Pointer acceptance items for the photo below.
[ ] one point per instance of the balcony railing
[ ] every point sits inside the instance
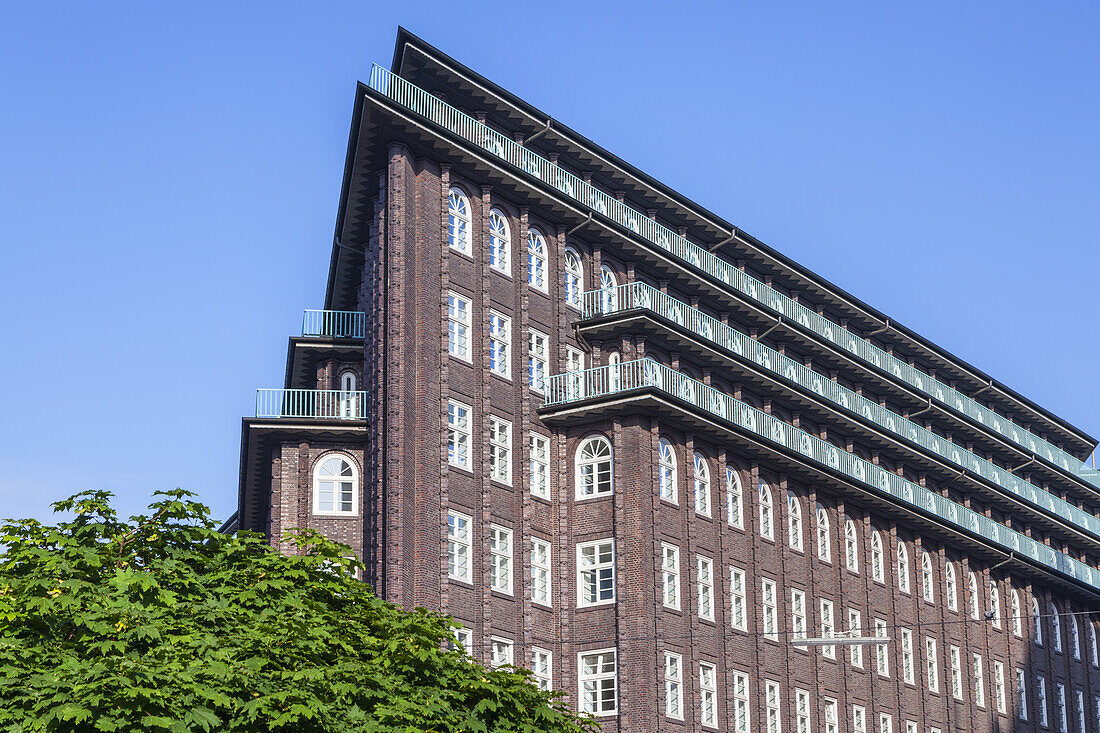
(701, 260)
(646, 374)
(334, 324)
(641, 296)
(330, 404)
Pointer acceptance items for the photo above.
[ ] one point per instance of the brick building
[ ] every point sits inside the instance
(628, 445)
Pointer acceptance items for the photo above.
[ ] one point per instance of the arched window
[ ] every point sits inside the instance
(536, 259)
(1094, 652)
(500, 242)
(878, 571)
(794, 521)
(1036, 621)
(903, 567)
(851, 546)
(348, 398)
(975, 600)
(458, 221)
(824, 546)
(1055, 627)
(574, 278)
(609, 296)
(927, 582)
(335, 486)
(1074, 636)
(735, 514)
(995, 604)
(767, 527)
(614, 371)
(594, 476)
(1016, 611)
(702, 484)
(952, 586)
(666, 471)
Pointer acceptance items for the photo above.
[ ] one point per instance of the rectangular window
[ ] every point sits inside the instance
(458, 326)
(737, 599)
(910, 726)
(798, 617)
(538, 355)
(1080, 711)
(859, 719)
(885, 723)
(463, 641)
(674, 686)
(769, 616)
(979, 681)
(500, 344)
(999, 697)
(704, 582)
(458, 546)
(670, 574)
(542, 667)
(831, 715)
(773, 718)
(882, 654)
(956, 673)
(828, 627)
(1021, 696)
(500, 558)
(596, 573)
(907, 674)
(933, 664)
(801, 711)
(740, 702)
(1063, 718)
(855, 628)
(540, 572)
(500, 652)
(708, 694)
(500, 450)
(539, 460)
(1041, 693)
(598, 682)
(458, 434)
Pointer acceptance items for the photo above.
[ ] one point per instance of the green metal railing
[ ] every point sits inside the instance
(646, 374)
(323, 403)
(707, 263)
(641, 296)
(334, 324)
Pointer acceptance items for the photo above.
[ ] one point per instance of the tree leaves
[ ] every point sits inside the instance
(160, 623)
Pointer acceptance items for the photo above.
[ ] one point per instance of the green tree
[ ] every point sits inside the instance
(160, 623)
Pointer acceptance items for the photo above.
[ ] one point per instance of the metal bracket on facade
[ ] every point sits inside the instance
(1010, 558)
(539, 134)
(983, 389)
(583, 223)
(727, 240)
(882, 329)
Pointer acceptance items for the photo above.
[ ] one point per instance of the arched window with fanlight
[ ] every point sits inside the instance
(824, 543)
(903, 567)
(609, 295)
(794, 522)
(951, 586)
(536, 259)
(1055, 627)
(995, 603)
(878, 569)
(701, 475)
(1074, 635)
(594, 468)
(927, 580)
(851, 546)
(574, 278)
(666, 470)
(335, 486)
(458, 221)
(1036, 622)
(734, 511)
(348, 396)
(614, 371)
(500, 242)
(1016, 611)
(767, 525)
(975, 599)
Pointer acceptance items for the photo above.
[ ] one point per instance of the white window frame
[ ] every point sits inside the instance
(995, 605)
(739, 715)
(878, 569)
(855, 628)
(932, 663)
(767, 512)
(500, 450)
(458, 221)
(674, 686)
(501, 544)
(951, 583)
(927, 578)
(536, 259)
(1080, 694)
(1060, 699)
(885, 723)
(538, 448)
(1041, 698)
(978, 675)
(974, 599)
(666, 471)
(538, 360)
(590, 484)
(882, 651)
(598, 679)
(801, 711)
(1016, 609)
(851, 546)
(458, 325)
(859, 719)
(798, 617)
(541, 573)
(500, 242)
(738, 601)
(830, 714)
(903, 567)
(701, 476)
(1074, 635)
(735, 509)
(828, 626)
(704, 587)
(773, 707)
(341, 485)
(1094, 650)
(542, 667)
(955, 660)
(708, 695)
(999, 698)
(670, 576)
(908, 672)
(599, 570)
(769, 609)
(459, 546)
(463, 637)
(1021, 695)
(501, 652)
(574, 278)
(458, 434)
(824, 542)
(1055, 627)
(794, 522)
(500, 344)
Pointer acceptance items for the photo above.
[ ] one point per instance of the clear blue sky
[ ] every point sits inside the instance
(169, 175)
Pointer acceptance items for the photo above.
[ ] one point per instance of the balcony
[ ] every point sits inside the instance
(326, 404)
(647, 376)
(334, 324)
(639, 296)
(714, 268)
